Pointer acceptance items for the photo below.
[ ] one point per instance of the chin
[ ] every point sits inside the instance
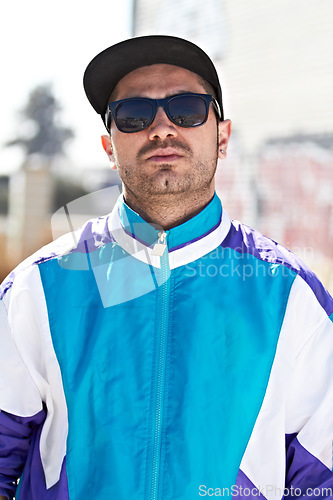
(166, 186)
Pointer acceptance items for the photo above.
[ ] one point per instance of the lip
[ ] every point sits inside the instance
(162, 155)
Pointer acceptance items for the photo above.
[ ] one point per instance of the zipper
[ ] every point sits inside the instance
(161, 245)
(163, 308)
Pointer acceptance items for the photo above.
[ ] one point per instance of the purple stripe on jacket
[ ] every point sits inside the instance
(19, 451)
(244, 488)
(305, 471)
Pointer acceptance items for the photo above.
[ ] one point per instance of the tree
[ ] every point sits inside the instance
(41, 111)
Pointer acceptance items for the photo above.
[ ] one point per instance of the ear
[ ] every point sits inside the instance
(224, 136)
(107, 146)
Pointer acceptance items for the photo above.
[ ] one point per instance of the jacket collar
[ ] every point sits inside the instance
(187, 242)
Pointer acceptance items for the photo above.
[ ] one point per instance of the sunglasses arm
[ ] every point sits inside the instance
(217, 108)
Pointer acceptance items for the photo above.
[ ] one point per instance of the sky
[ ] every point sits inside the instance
(53, 42)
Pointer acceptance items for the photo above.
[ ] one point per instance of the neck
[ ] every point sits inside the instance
(167, 211)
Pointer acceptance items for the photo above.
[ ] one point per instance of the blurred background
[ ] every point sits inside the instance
(275, 64)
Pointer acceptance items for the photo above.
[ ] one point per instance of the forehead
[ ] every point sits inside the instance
(157, 80)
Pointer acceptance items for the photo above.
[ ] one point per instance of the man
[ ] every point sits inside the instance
(170, 353)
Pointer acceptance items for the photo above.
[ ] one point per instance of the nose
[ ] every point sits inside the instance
(162, 127)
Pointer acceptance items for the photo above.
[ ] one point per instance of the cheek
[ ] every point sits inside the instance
(213, 139)
(125, 146)
(206, 142)
(119, 148)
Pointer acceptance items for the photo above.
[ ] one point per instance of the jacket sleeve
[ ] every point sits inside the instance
(21, 409)
(309, 414)
(289, 453)
(31, 390)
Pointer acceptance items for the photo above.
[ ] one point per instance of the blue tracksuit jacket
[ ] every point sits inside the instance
(165, 366)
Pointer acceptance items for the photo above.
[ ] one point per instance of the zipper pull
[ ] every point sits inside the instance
(161, 245)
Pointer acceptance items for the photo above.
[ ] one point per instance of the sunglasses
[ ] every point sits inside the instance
(137, 113)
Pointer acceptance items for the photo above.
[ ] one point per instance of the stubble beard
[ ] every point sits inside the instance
(166, 180)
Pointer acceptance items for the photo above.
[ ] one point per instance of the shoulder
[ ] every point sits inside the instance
(86, 239)
(244, 239)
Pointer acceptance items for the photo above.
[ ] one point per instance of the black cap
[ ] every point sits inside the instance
(107, 68)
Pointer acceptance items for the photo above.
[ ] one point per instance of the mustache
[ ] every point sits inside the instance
(173, 143)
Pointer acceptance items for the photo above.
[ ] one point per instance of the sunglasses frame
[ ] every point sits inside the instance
(156, 103)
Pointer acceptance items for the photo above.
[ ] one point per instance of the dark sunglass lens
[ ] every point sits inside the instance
(133, 116)
(188, 111)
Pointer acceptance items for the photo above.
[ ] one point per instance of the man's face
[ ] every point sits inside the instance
(165, 159)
